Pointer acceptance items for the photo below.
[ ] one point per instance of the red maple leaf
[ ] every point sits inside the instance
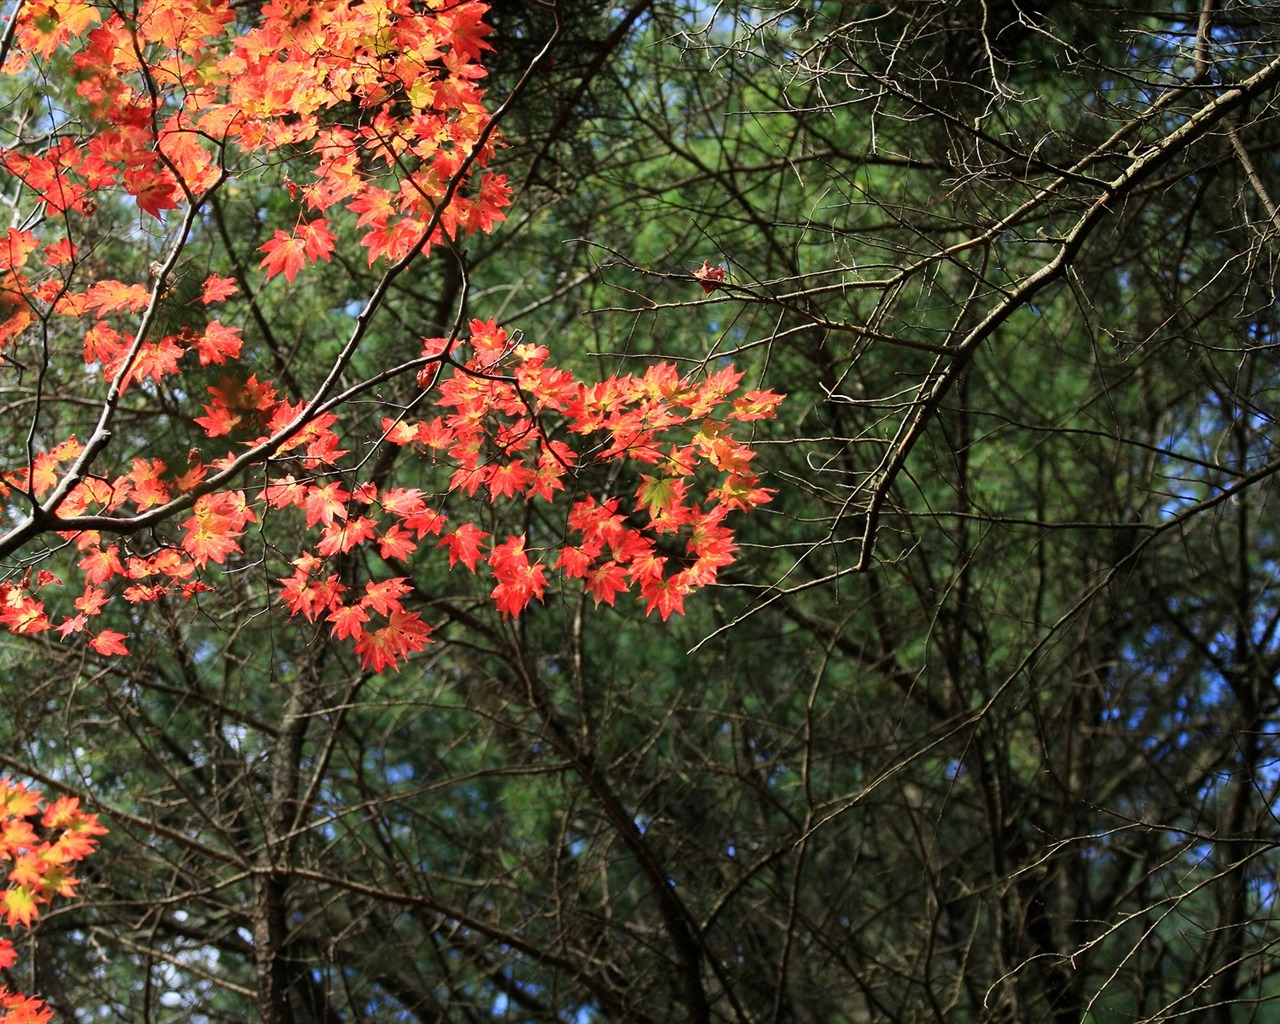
(384, 596)
(216, 523)
(519, 580)
(340, 537)
(217, 288)
(92, 600)
(709, 277)
(375, 205)
(326, 503)
(285, 254)
(310, 597)
(59, 253)
(217, 344)
(383, 648)
(396, 543)
(317, 240)
(112, 296)
(755, 405)
(154, 189)
(575, 560)
(606, 581)
(403, 501)
(108, 642)
(287, 492)
(464, 545)
(20, 1009)
(348, 622)
(508, 480)
(666, 595)
(100, 564)
(22, 613)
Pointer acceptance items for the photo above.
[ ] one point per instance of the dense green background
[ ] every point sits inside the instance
(982, 726)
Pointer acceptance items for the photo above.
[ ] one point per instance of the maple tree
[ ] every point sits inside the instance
(980, 724)
(374, 113)
(40, 843)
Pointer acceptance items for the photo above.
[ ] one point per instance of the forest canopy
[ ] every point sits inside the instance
(542, 511)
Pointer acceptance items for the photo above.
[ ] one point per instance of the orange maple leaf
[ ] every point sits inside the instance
(19, 905)
(16, 800)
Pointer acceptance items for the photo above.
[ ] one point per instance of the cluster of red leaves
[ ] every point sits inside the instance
(169, 92)
(40, 844)
(503, 414)
(176, 85)
(509, 427)
(498, 440)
